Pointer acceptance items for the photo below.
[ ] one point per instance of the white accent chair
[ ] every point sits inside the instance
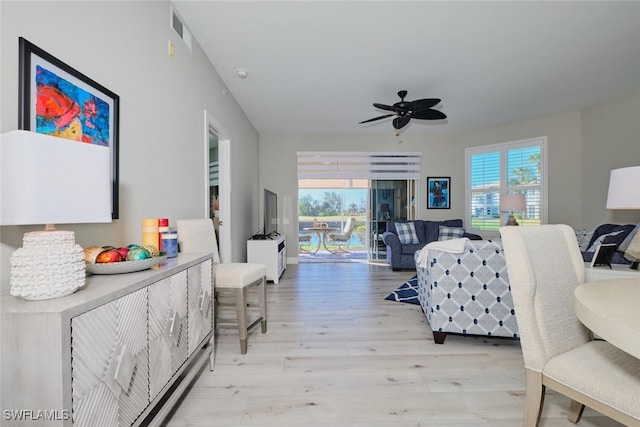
(198, 235)
(545, 266)
(342, 239)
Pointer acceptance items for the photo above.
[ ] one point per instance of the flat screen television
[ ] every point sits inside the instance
(270, 213)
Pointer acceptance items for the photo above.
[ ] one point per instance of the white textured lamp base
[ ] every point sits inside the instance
(49, 265)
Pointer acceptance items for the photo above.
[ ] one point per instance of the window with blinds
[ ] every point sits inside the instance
(514, 167)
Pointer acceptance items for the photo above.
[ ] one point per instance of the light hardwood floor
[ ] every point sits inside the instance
(337, 354)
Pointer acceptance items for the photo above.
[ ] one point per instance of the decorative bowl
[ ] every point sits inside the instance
(125, 266)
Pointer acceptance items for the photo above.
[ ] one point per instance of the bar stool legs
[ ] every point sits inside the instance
(199, 235)
(241, 304)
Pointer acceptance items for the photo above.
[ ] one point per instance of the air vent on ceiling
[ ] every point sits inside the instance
(178, 25)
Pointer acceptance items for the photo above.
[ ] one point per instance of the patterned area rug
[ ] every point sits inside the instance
(407, 292)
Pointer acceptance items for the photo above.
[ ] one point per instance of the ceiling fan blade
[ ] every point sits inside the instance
(423, 104)
(386, 107)
(400, 122)
(428, 115)
(377, 118)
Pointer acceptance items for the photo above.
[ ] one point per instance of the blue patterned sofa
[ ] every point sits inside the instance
(467, 293)
(400, 255)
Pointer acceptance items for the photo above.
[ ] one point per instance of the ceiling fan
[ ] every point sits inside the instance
(407, 110)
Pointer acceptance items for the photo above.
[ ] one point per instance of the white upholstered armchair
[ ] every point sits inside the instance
(545, 266)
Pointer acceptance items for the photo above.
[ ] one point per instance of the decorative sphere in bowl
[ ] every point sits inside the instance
(137, 254)
(108, 256)
(91, 252)
(153, 251)
(123, 251)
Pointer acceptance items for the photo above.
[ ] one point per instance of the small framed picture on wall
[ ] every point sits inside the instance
(438, 192)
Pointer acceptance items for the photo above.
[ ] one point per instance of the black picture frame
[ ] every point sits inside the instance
(603, 254)
(61, 109)
(438, 192)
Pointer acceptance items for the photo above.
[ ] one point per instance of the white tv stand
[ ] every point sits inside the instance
(270, 252)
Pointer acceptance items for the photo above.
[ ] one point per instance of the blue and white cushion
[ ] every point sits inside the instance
(448, 233)
(584, 237)
(406, 232)
(600, 240)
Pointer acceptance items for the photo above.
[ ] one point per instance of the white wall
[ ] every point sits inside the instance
(278, 166)
(583, 147)
(611, 139)
(123, 46)
(563, 150)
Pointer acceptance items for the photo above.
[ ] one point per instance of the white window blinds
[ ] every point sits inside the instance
(364, 165)
(514, 167)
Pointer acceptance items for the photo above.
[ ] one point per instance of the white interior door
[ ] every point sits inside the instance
(217, 166)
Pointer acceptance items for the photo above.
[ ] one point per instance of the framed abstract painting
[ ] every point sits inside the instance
(438, 192)
(58, 100)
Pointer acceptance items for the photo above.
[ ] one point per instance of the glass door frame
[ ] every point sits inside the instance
(387, 210)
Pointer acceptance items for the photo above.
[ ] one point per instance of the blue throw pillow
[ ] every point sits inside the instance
(432, 228)
(603, 239)
(406, 233)
(447, 233)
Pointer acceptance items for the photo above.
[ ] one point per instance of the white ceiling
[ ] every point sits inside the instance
(318, 66)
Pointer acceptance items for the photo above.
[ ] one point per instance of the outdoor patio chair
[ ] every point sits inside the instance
(342, 239)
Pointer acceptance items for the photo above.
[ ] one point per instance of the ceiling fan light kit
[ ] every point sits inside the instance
(404, 111)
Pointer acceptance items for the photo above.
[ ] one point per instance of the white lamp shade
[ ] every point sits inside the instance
(514, 202)
(50, 180)
(624, 188)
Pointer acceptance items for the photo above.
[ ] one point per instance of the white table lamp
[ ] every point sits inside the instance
(624, 193)
(50, 180)
(513, 202)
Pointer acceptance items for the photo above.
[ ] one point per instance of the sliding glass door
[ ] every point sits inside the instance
(389, 200)
(386, 190)
(331, 202)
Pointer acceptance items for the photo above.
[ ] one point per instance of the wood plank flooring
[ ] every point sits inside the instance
(337, 354)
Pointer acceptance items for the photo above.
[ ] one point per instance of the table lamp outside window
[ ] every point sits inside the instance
(624, 193)
(50, 180)
(511, 203)
(384, 211)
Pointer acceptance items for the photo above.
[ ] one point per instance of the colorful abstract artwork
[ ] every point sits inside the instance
(68, 111)
(56, 99)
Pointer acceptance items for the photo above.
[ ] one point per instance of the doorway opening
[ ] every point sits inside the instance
(343, 220)
(332, 220)
(217, 197)
(214, 182)
(366, 189)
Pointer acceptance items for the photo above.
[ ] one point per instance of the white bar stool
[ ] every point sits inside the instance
(198, 235)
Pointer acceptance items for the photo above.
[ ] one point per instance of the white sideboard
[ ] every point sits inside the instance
(270, 252)
(119, 351)
(617, 271)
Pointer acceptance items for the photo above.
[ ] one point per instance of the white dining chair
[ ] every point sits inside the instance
(545, 266)
(198, 235)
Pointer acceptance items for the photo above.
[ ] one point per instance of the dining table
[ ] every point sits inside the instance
(611, 309)
(322, 232)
